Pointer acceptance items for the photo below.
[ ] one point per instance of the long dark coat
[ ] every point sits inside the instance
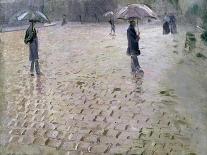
(166, 28)
(133, 39)
(173, 26)
(31, 38)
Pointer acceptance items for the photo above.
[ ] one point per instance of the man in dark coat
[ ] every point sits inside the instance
(166, 26)
(64, 20)
(32, 40)
(172, 23)
(133, 46)
(113, 28)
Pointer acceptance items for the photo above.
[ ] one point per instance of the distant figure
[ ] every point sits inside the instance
(64, 20)
(96, 17)
(133, 46)
(113, 28)
(32, 40)
(80, 18)
(166, 25)
(173, 26)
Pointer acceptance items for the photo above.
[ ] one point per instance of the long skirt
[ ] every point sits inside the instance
(166, 28)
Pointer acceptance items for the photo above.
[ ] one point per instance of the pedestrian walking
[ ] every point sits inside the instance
(113, 27)
(133, 46)
(172, 23)
(166, 25)
(64, 20)
(32, 40)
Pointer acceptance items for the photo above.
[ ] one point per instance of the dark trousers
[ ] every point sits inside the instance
(135, 63)
(173, 28)
(113, 28)
(35, 64)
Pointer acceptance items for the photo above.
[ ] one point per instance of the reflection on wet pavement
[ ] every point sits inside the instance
(86, 101)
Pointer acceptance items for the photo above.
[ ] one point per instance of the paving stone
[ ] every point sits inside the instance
(40, 140)
(52, 134)
(30, 131)
(84, 146)
(76, 137)
(120, 126)
(53, 143)
(50, 126)
(40, 133)
(119, 150)
(137, 151)
(69, 146)
(73, 153)
(26, 140)
(26, 124)
(14, 139)
(16, 131)
(101, 148)
(91, 138)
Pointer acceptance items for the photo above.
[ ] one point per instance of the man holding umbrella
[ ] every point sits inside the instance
(111, 21)
(132, 12)
(32, 40)
(31, 36)
(133, 46)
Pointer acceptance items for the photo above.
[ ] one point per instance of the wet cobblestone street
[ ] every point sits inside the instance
(87, 102)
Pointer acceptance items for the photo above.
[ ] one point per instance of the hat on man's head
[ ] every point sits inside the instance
(34, 21)
(131, 20)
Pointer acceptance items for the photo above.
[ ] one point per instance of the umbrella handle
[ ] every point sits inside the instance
(137, 27)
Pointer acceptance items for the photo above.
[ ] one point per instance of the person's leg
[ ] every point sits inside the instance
(32, 68)
(171, 28)
(175, 28)
(114, 30)
(132, 65)
(37, 68)
(135, 63)
(138, 65)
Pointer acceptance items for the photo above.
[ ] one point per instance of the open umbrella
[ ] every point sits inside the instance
(135, 11)
(108, 14)
(34, 15)
(138, 11)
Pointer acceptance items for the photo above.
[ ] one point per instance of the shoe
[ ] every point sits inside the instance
(32, 74)
(39, 73)
(140, 71)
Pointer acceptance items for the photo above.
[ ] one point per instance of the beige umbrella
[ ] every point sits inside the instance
(138, 11)
(29, 15)
(109, 14)
(135, 11)
(35, 15)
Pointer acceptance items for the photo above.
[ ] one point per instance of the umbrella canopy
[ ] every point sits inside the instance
(108, 14)
(138, 11)
(33, 15)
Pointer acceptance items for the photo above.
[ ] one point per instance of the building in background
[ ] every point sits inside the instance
(87, 10)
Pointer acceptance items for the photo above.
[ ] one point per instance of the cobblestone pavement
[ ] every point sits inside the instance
(87, 102)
